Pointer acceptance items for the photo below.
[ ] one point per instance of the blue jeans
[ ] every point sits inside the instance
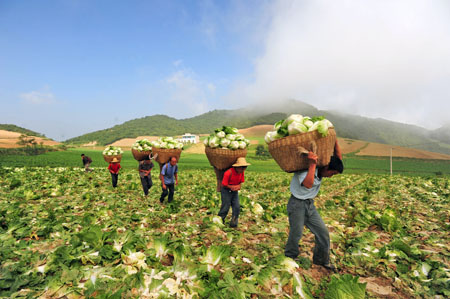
(229, 198)
(301, 213)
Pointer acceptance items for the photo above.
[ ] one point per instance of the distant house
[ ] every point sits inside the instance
(189, 138)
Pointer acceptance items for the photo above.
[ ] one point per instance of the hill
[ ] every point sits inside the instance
(347, 125)
(17, 129)
(9, 139)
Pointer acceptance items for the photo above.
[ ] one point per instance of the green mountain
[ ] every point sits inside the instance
(14, 128)
(162, 125)
(347, 126)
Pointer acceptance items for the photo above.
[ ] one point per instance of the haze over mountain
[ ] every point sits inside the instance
(347, 126)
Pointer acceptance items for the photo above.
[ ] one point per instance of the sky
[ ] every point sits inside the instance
(71, 67)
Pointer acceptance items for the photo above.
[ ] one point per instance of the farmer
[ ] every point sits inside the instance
(86, 162)
(169, 178)
(231, 184)
(113, 168)
(145, 167)
(301, 210)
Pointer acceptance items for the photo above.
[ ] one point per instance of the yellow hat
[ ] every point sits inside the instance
(240, 162)
(114, 160)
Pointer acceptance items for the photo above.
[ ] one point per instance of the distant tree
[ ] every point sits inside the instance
(262, 152)
(26, 140)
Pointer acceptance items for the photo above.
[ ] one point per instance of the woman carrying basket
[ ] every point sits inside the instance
(114, 168)
(231, 184)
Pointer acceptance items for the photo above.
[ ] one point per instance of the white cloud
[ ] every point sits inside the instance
(384, 58)
(178, 62)
(38, 97)
(187, 95)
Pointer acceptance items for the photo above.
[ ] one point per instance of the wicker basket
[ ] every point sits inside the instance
(219, 177)
(286, 153)
(108, 159)
(139, 156)
(164, 155)
(223, 158)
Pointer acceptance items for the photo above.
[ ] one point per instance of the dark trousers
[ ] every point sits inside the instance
(115, 177)
(147, 183)
(301, 213)
(229, 199)
(170, 189)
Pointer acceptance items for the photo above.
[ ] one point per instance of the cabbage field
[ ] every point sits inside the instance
(65, 233)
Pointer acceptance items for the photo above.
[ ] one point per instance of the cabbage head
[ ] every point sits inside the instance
(296, 127)
(234, 145)
(220, 134)
(214, 142)
(224, 142)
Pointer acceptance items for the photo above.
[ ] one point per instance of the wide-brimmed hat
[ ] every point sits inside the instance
(114, 160)
(240, 162)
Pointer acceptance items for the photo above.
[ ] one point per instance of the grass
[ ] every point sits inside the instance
(353, 164)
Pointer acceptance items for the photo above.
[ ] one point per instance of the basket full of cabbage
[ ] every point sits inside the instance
(166, 147)
(141, 149)
(292, 134)
(224, 146)
(111, 152)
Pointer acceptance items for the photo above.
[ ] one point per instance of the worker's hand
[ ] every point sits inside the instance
(313, 158)
(176, 183)
(164, 186)
(235, 187)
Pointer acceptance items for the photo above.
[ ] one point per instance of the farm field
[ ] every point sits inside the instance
(353, 163)
(67, 233)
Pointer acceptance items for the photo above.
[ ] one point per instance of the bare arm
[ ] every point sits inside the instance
(309, 179)
(337, 150)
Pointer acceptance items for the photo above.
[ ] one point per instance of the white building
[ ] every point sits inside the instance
(189, 138)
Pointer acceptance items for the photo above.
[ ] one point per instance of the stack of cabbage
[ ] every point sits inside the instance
(141, 149)
(111, 152)
(168, 143)
(295, 134)
(166, 147)
(222, 148)
(142, 145)
(296, 124)
(226, 138)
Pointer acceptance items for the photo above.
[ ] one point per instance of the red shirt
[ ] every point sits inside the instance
(114, 167)
(231, 177)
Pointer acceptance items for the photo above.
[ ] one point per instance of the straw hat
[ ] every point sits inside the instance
(114, 160)
(240, 162)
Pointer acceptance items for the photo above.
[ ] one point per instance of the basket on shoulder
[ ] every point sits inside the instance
(111, 152)
(296, 135)
(223, 148)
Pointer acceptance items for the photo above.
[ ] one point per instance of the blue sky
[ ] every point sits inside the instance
(71, 67)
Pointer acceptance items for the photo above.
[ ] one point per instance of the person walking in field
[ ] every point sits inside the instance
(305, 186)
(169, 179)
(231, 184)
(86, 162)
(114, 168)
(145, 168)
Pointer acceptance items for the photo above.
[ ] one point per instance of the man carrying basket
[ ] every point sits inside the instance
(301, 210)
(145, 168)
(169, 178)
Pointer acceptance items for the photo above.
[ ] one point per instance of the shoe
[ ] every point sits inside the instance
(234, 222)
(329, 267)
